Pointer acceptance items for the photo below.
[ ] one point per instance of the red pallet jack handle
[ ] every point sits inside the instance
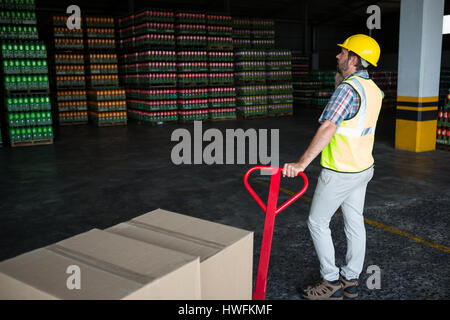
(271, 211)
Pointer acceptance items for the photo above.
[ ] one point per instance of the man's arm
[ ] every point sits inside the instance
(323, 136)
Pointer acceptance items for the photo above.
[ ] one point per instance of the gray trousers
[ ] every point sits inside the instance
(334, 190)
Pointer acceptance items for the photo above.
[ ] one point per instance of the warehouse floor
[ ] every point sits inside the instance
(95, 178)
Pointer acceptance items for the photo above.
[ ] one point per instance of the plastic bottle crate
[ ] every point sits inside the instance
(192, 115)
(18, 32)
(108, 106)
(23, 50)
(22, 66)
(221, 67)
(192, 67)
(15, 83)
(18, 5)
(222, 92)
(67, 59)
(156, 105)
(28, 119)
(26, 103)
(197, 93)
(15, 17)
(70, 95)
(66, 106)
(252, 90)
(64, 32)
(31, 134)
(154, 15)
(193, 104)
(155, 94)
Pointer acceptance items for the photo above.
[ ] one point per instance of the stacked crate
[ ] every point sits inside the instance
(251, 88)
(25, 76)
(148, 65)
(242, 33)
(221, 91)
(443, 125)
(106, 100)
(300, 72)
(325, 91)
(68, 76)
(263, 33)
(444, 86)
(192, 65)
(300, 65)
(279, 82)
(387, 82)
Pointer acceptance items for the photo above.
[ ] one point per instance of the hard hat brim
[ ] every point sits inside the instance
(343, 46)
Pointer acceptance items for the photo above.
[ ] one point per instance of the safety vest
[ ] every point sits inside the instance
(350, 149)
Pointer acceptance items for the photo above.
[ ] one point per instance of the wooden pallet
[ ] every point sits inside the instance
(191, 121)
(192, 84)
(222, 119)
(74, 123)
(219, 48)
(281, 114)
(154, 124)
(249, 82)
(258, 116)
(28, 91)
(110, 124)
(220, 84)
(31, 143)
(442, 147)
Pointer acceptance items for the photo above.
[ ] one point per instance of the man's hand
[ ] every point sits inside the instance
(291, 170)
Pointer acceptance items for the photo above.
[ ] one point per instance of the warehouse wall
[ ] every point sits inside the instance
(290, 35)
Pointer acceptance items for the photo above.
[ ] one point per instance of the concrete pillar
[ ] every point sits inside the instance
(419, 64)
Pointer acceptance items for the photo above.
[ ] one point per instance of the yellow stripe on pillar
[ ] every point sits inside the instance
(416, 136)
(416, 123)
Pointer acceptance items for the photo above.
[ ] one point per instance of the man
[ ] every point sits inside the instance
(345, 138)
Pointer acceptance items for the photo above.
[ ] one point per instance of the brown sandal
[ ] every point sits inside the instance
(325, 290)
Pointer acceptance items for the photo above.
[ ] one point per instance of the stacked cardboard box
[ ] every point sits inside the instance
(159, 255)
(107, 101)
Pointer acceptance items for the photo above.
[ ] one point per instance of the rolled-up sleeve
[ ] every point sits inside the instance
(340, 105)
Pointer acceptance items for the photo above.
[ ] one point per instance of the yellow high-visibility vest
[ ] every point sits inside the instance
(350, 149)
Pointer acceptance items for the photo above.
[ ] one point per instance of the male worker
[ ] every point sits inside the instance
(345, 138)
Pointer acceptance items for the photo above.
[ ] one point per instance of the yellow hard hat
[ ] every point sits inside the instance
(364, 46)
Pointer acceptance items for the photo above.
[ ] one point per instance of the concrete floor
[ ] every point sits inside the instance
(96, 178)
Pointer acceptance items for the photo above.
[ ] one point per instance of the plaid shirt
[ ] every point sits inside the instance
(344, 103)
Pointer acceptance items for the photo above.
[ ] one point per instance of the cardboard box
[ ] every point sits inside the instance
(110, 267)
(226, 253)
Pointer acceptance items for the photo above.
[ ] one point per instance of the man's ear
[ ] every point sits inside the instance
(354, 60)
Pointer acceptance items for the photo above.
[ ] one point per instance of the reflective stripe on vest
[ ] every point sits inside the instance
(350, 149)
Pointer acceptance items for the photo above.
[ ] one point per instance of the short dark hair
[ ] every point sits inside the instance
(358, 65)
